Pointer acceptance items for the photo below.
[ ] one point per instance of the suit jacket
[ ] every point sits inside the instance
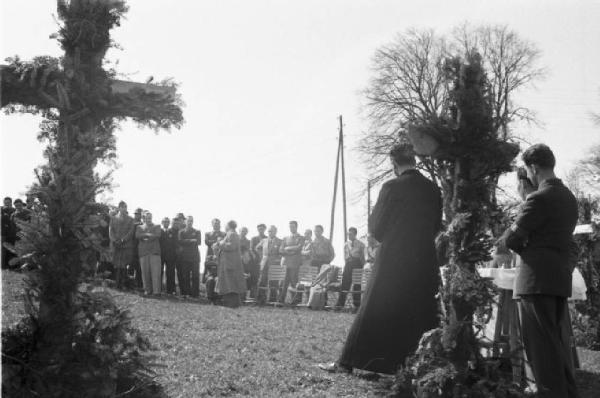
(270, 251)
(168, 243)
(542, 236)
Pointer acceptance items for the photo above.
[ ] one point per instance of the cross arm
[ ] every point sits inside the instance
(27, 84)
(154, 105)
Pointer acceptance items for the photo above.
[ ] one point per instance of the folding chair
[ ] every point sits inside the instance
(358, 278)
(276, 273)
(306, 276)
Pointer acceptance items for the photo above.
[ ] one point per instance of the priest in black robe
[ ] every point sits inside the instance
(400, 300)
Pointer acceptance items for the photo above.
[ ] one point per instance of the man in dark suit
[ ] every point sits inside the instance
(399, 304)
(168, 250)
(541, 235)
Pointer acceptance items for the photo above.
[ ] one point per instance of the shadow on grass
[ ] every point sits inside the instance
(588, 384)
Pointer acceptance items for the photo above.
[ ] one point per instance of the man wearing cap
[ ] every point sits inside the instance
(254, 267)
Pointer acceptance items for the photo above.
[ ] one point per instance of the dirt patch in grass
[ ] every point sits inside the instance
(203, 350)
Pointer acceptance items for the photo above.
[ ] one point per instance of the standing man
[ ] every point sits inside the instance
(135, 262)
(210, 238)
(246, 257)
(541, 235)
(291, 252)
(323, 252)
(399, 303)
(121, 234)
(189, 260)
(354, 257)
(7, 231)
(254, 268)
(168, 250)
(270, 256)
(148, 234)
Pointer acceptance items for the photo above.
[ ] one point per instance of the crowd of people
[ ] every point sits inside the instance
(236, 267)
(12, 214)
(141, 255)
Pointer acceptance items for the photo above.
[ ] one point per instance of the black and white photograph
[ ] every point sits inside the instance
(334, 198)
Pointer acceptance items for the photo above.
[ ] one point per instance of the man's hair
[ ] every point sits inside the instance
(540, 155)
(232, 224)
(403, 154)
(166, 219)
(122, 203)
(139, 210)
(294, 222)
(261, 226)
(9, 198)
(18, 201)
(352, 229)
(319, 226)
(214, 220)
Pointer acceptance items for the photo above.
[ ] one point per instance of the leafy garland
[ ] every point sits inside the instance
(471, 156)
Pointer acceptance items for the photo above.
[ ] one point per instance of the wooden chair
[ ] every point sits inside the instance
(306, 276)
(276, 274)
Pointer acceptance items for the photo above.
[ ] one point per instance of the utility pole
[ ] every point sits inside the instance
(370, 183)
(343, 179)
(340, 159)
(335, 183)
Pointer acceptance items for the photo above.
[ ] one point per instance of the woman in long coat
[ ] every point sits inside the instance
(231, 283)
(399, 302)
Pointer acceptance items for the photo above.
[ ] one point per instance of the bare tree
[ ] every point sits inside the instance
(587, 171)
(408, 84)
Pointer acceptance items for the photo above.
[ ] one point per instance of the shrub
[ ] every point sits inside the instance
(104, 356)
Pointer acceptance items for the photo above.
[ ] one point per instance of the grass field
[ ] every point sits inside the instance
(207, 350)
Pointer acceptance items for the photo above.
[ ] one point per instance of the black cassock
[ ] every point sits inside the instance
(399, 303)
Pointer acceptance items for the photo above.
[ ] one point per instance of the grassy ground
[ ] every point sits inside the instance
(268, 352)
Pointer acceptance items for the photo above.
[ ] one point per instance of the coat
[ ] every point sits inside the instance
(230, 271)
(399, 304)
(542, 236)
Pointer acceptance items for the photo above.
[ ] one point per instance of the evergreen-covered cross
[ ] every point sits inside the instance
(81, 103)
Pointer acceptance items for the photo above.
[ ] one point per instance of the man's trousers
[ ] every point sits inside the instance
(169, 266)
(351, 264)
(547, 345)
(188, 273)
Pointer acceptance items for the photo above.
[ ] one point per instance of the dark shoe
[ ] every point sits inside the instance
(334, 367)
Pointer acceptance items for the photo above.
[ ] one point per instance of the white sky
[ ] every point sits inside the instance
(264, 82)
